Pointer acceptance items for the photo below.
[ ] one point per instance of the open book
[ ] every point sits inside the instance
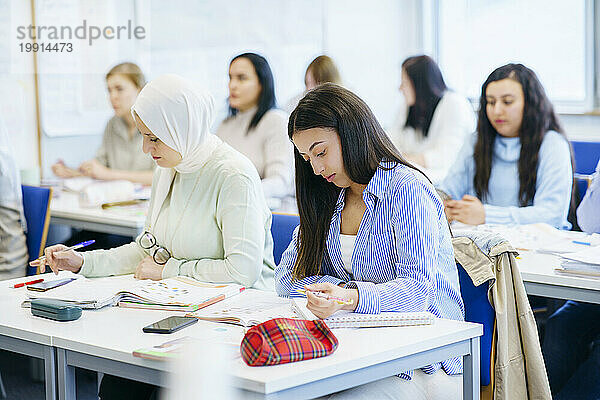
(177, 294)
(251, 308)
(347, 319)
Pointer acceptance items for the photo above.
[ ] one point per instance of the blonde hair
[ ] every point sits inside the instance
(129, 70)
(323, 70)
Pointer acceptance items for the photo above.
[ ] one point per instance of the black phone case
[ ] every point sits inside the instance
(150, 329)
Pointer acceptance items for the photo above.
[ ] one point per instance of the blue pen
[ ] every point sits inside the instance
(584, 243)
(74, 247)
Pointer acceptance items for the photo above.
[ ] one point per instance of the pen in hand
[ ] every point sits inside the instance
(41, 261)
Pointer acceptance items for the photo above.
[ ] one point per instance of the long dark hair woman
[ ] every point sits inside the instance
(434, 121)
(518, 168)
(372, 228)
(256, 128)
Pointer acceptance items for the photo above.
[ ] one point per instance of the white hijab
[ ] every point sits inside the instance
(180, 114)
(12, 197)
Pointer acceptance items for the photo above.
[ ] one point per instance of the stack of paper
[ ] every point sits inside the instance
(584, 262)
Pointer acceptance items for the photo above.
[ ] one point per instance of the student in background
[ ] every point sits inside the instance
(119, 156)
(517, 169)
(572, 335)
(399, 258)
(207, 217)
(13, 247)
(434, 121)
(320, 70)
(256, 128)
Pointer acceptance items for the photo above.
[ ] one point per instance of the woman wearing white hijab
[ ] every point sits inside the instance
(13, 248)
(208, 218)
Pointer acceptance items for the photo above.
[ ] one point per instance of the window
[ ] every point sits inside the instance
(552, 37)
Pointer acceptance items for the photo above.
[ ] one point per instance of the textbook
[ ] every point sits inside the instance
(347, 319)
(176, 294)
(251, 308)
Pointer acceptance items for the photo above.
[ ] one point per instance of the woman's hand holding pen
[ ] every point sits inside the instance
(58, 259)
(322, 307)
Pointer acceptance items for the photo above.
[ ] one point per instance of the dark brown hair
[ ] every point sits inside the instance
(429, 87)
(538, 118)
(364, 146)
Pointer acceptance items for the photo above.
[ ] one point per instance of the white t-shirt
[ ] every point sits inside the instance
(347, 247)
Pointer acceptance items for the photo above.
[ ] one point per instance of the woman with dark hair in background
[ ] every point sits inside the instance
(372, 229)
(434, 122)
(256, 128)
(518, 168)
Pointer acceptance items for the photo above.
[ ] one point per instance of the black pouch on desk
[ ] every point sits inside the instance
(55, 309)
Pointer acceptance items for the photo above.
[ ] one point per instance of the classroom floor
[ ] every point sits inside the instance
(17, 375)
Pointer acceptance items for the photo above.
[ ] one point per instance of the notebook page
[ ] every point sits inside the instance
(94, 292)
(252, 307)
(179, 290)
(348, 319)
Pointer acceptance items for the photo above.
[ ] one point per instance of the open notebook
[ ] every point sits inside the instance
(347, 319)
(177, 294)
(251, 308)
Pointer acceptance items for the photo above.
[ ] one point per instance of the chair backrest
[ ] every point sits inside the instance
(478, 309)
(586, 159)
(282, 228)
(36, 205)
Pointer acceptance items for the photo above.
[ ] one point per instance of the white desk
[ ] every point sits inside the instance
(103, 341)
(540, 279)
(65, 210)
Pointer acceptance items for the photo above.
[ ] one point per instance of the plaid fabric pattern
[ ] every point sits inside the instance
(284, 340)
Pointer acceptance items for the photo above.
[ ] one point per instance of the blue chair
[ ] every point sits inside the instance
(586, 158)
(36, 205)
(479, 310)
(282, 228)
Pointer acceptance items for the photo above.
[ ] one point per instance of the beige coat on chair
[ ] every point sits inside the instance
(519, 371)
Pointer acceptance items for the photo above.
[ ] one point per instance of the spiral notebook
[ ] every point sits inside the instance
(347, 319)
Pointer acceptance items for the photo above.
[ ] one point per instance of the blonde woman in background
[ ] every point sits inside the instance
(320, 70)
(120, 155)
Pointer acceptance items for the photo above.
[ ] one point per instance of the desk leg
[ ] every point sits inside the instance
(66, 377)
(471, 373)
(50, 372)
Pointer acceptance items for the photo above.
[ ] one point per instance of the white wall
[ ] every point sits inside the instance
(368, 42)
(17, 102)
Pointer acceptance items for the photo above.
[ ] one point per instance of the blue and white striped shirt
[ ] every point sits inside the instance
(403, 258)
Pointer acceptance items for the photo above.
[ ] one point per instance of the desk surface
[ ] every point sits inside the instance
(540, 279)
(113, 333)
(65, 209)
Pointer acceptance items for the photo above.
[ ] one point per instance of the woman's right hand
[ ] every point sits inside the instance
(58, 259)
(62, 171)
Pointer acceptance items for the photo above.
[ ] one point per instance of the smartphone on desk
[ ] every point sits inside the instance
(170, 324)
(43, 286)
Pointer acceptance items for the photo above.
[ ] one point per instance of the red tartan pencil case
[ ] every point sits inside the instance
(284, 340)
